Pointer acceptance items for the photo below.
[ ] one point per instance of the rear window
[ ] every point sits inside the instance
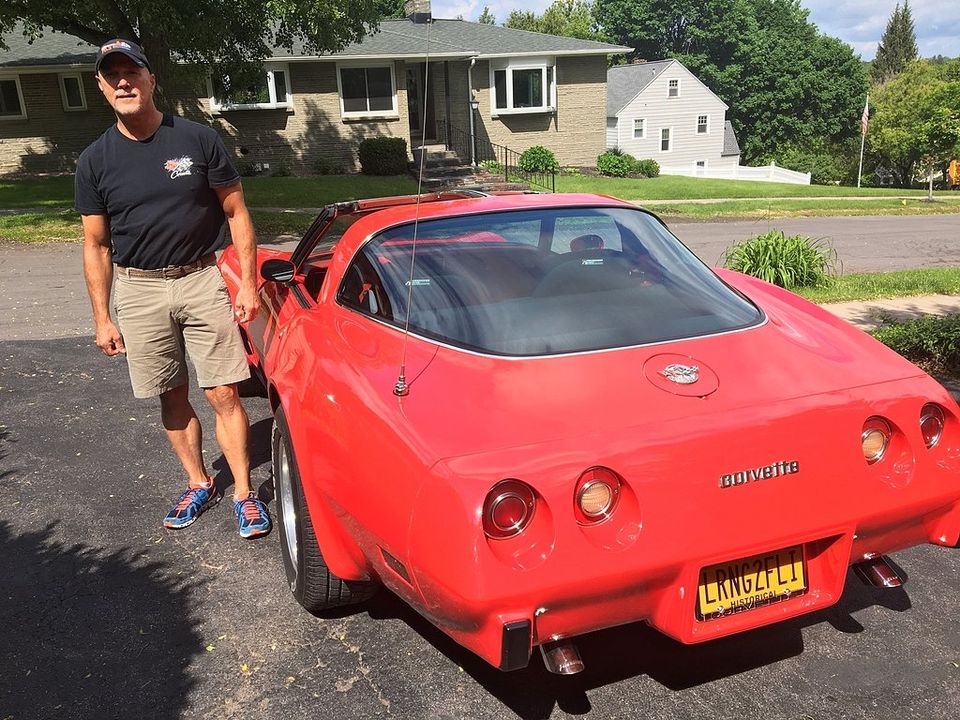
(542, 282)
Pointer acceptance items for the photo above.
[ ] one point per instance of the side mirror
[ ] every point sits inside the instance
(277, 270)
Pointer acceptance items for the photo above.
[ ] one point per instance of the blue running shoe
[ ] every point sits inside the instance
(192, 502)
(252, 516)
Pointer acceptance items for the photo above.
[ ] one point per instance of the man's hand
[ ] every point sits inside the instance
(246, 305)
(109, 339)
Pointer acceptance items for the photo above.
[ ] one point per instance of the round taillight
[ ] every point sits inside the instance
(874, 439)
(931, 424)
(508, 509)
(596, 495)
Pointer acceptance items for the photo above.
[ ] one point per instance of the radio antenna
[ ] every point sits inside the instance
(401, 388)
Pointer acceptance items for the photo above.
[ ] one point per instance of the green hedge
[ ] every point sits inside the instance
(383, 156)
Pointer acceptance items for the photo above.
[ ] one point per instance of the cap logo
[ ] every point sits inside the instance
(115, 45)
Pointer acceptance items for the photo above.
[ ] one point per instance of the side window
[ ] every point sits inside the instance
(571, 233)
(362, 289)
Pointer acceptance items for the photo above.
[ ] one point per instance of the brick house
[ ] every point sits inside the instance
(526, 89)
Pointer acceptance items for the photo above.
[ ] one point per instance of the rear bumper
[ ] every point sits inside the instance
(554, 601)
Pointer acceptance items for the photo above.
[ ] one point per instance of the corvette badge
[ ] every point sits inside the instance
(681, 374)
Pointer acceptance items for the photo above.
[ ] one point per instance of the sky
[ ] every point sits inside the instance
(860, 23)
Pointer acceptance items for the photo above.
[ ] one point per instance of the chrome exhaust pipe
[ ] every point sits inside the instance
(876, 571)
(561, 657)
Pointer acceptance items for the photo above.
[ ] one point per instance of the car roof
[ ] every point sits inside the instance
(433, 208)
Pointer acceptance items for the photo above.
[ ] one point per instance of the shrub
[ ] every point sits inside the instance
(492, 166)
(383, 156)
(790, 262)
(616, 163)
(648, 168)
(245, 168)
(538, 159)
(282, 169)
(322, 166)
(931, 339)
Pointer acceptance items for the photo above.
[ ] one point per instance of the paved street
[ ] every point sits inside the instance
(107, 615)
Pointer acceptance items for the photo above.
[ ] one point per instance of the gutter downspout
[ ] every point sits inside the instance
(473, 140)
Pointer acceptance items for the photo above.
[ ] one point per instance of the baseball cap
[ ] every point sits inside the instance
(120, 45)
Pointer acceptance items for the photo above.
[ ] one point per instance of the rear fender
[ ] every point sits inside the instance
(340, 551)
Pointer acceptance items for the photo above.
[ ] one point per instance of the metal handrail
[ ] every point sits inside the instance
(483, 150)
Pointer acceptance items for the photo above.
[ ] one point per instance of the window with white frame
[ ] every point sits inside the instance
(666, 140)
(639, 128)
(367, 90)
(270, 91)
(11, 99)
(71, 92)
(522, 87)
(673, 88)
(703, 124)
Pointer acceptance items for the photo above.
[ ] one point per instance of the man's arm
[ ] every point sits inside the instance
(98, 271)
(247, 302)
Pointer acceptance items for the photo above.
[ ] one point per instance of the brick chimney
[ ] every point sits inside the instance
(418, 11)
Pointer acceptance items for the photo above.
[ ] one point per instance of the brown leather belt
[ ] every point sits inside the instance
(171, 272)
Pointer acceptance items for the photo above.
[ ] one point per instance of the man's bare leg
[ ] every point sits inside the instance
(185, 434)
(233, 434)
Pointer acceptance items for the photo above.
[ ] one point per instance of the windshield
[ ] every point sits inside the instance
(543, 282)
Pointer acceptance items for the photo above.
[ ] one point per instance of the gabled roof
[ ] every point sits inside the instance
(395, 39)
(53, 48)
(625, 82)
(730, 144)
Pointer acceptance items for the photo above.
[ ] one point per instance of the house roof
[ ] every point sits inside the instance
(730, 144)
(53, 48)
(625, 82)
(395, 39)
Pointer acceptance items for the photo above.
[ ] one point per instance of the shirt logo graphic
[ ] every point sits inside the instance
(178, 167)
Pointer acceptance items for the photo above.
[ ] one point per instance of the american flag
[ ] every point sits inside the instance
(865, 117)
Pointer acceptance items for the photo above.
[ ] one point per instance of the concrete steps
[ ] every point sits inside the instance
(443, 169)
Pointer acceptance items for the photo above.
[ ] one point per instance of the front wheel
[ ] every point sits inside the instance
(310, 580)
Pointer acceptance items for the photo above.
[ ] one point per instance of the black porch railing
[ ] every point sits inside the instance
(496, 159)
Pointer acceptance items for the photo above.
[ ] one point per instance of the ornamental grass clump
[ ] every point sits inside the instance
(790, 262)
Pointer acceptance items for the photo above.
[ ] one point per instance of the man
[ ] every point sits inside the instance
(153, 192)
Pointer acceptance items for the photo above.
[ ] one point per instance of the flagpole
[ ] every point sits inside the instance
(864, 119)
(863, 138)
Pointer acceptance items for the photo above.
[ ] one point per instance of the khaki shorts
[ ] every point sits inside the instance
(163, 319)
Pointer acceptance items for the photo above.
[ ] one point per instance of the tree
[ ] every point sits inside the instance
(897, 47)
(487, 17)
(914, 118)
(391, 9)
(786, 85)
(568, 18)
(233, 37)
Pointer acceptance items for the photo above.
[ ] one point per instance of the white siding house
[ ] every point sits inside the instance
(661, 110)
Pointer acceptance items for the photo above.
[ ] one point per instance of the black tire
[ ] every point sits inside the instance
(313, 585)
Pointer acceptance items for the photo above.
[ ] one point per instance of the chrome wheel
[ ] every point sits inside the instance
(288, 509)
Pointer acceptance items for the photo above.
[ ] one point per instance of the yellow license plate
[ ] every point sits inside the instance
(748, 583)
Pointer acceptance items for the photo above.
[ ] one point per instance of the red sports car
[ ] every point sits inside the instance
(534, 416)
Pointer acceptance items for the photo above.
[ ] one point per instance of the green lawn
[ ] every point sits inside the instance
(673, 187)
(944, 203)
(311, 192)
(284, 192)
(901, 283)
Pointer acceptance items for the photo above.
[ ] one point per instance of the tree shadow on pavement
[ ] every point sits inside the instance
(628, 651)
(91, 633)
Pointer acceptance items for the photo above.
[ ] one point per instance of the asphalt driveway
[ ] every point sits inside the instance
(105, 614)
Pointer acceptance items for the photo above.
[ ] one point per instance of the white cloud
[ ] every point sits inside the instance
(857, 22)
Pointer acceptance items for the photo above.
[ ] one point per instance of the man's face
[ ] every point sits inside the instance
(126, 86)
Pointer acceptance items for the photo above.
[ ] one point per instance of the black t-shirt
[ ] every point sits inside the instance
(157, 193)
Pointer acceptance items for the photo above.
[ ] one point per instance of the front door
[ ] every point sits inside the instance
(423, 125)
